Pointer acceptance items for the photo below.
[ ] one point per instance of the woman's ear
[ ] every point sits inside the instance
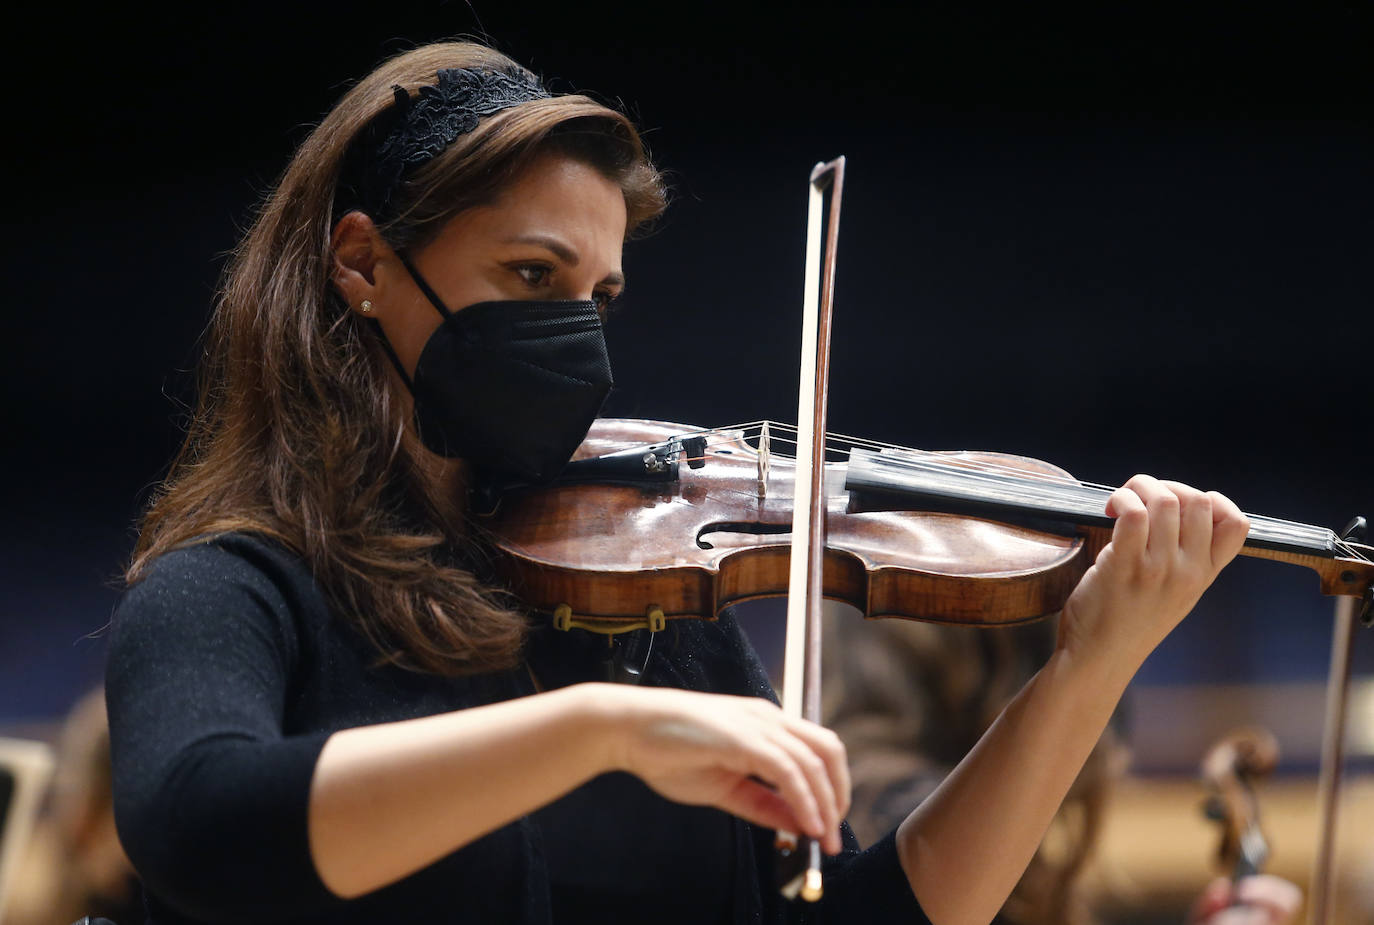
(356, 247)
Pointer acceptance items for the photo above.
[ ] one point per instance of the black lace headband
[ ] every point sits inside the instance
(414, 130)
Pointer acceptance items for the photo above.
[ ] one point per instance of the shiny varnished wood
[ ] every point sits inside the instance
(612, 551)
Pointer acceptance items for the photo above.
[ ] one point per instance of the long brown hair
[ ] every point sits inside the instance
(297, 435)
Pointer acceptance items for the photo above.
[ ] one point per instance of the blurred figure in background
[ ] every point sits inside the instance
(74, 865)
(910, 699)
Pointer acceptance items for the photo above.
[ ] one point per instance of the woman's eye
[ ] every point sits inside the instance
(533, 274)
(603, 301)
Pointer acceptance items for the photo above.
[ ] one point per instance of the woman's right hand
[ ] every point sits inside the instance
(739, 754)
(386, 800)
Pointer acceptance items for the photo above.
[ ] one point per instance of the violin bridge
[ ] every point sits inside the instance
(763, 461)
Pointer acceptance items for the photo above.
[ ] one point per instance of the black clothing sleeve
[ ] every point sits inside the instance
(211, 797)
(228, 671)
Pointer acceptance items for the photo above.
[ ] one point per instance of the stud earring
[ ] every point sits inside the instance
(366, 307)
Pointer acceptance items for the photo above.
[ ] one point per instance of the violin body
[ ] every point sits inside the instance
(610, 553)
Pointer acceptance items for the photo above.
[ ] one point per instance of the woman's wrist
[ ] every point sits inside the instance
(602, 710)
(1109, 657)
(1096, 671)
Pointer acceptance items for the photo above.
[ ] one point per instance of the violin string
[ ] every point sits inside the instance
(1017, 475)
(985, 465)
(1026, 479)
(1060, 491)
(1010, 483)
(1357, 551)
(1066, 496)
(1079, 491)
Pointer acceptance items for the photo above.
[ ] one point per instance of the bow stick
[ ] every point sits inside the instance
(1329, 773)
(801, 692)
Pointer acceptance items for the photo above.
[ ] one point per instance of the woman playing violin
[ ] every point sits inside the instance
(320, 711)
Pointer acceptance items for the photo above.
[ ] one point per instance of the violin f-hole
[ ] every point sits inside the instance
(741, 526)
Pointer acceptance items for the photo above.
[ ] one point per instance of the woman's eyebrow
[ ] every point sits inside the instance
(560, 250)
(564, 253)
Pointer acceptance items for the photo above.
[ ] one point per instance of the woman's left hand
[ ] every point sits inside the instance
(1168, 544)
(966, 845)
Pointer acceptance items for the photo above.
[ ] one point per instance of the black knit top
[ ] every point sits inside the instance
(227, 673)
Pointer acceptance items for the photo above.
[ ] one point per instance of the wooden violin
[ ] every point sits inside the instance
(657, 521)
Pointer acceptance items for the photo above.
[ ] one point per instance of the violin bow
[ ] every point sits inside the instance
(801, 671)
(801, 690)
(1329, 771)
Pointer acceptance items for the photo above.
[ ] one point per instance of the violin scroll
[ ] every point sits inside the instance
(1231, 768)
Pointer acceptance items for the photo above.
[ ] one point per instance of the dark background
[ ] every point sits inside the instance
(1135, 240)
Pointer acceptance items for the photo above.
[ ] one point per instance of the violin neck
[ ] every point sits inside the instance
(908, 481)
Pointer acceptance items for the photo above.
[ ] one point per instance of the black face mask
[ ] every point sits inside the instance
(512, 387)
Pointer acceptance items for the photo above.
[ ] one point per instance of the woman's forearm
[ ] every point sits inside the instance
(387, 800)
(965, 846)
